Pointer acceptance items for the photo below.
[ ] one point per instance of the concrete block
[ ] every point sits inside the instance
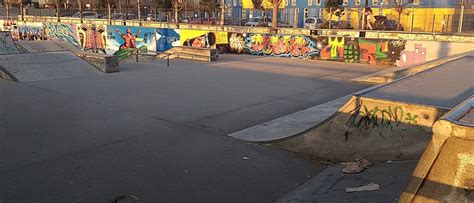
(105, 63)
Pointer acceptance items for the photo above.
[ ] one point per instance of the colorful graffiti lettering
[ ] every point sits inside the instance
(418, 55)
(62, 32)
(29, 31)
(334, 48)
(379, 118)
(92, 37)
(167, 39)
(297, 46)
(385, 52)
(236, 43)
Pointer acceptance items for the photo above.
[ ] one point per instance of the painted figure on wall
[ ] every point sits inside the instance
(130, 39)
(123, 40)
(204, 41)
(92, 38)
(202, 38)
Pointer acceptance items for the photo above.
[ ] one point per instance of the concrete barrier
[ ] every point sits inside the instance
(105, 63)
(445, 172)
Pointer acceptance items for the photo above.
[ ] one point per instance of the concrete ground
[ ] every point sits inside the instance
(159, 133)
(330, 185)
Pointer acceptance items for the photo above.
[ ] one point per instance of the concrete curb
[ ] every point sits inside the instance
(392, 74)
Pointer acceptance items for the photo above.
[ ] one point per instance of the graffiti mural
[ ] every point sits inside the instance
(7, 25)
(29, 31)
(297, 46)
(237, 42)
(333, 48)
(418, 55)
(198, 38)
(166, 39)
(92, 37)
(382, 52)
(202, 38)
(123, 40)
(62, 32)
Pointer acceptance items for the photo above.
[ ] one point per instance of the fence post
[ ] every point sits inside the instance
(461, 17)
(433, 23)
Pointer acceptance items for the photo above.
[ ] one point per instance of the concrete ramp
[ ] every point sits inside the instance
(387, 122)
(446, 169)
(40, 46)
(7, 46)
(40, 66)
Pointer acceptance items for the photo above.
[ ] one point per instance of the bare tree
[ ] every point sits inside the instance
(400, 7)
(177, 7)
(275, 6)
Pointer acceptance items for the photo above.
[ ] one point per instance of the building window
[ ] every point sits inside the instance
(416, 2)
(357, 2)
(310, 2)
(293, 2)
(318, 2)
(375, 2)
(306, 13)
(235, 2)
(345, 2)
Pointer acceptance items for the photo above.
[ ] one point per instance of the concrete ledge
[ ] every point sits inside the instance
(392, 74)
(105, 63)
(194, 53)
(445, 170)
(291, 124)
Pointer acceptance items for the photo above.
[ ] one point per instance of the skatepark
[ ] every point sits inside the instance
(241, 127)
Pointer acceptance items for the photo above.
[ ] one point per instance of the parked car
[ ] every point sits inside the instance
(86, 14)
(313, 22)
(383, 23)
(341, 24)
(283, 24)
(259, 22)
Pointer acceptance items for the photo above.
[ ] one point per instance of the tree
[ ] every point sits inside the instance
(275, 6)
(333, 7)
(177, 7)
(208, 6)
(257, 4)
(400, 7)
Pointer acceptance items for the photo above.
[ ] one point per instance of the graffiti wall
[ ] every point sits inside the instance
(29, 31)
(92, 37)
(122, 40)
(167, 39)
(62, 32)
